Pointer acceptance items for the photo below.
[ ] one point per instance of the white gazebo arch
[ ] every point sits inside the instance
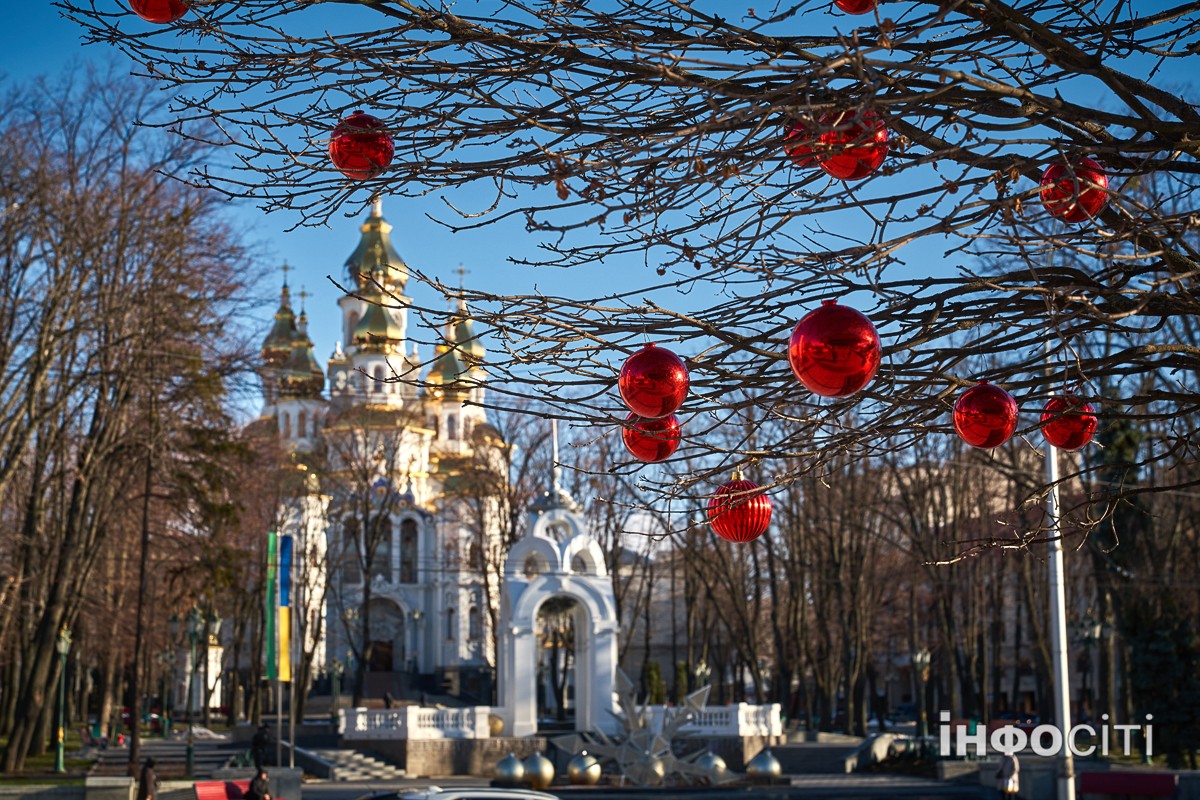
(557, 557)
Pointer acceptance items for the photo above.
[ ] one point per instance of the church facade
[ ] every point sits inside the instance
(390, 528)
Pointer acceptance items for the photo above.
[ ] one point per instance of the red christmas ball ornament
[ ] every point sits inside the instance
(360, 147)
(160, 12)
(852, 147)
(653, 382)
(739, 511)
(1068, 423)
(856, 6)
(651, 440)
(985, 416)
(834, 350)
(1076, 192)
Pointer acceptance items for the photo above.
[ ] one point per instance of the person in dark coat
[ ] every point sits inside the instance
(259, 746)
(148, 782)
(260, 788)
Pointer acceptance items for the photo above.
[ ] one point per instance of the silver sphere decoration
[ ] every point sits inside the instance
(510, 769)
(583, 770)
(539, 771)
(714, 765)
(764, 766)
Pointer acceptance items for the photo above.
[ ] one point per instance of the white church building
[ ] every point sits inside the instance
(376, 516)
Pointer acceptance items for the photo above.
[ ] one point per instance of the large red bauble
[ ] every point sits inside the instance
(856, 6)
(651, 440)
(360, 148)
(1068, 423)
(834, 350)
(985, 415)
(852, 147)
(1076, 193)
(653, 382)
(739, 511)
(159, 11)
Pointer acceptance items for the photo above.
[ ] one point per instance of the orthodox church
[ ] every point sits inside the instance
(389, 537)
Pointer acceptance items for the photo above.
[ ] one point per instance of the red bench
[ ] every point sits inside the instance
(1132, 783)
(222, 790)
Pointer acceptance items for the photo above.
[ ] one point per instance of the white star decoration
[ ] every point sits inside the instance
(643, 757)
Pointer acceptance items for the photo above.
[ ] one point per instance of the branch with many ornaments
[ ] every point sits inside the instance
(834, 350)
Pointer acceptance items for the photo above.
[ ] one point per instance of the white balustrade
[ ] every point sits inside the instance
(742, 719)
(414, 722)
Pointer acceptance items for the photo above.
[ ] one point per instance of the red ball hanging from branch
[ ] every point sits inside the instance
(1068, 423)
(653, 382)
(739, 511)
(1075, 192)
(852, 146)
(651, 440)
(360, 147)
(160, 12)
(985, 416)
(834, 350)
(856, 6)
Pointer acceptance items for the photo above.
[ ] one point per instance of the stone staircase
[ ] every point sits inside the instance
(170, 758)
(351, 765)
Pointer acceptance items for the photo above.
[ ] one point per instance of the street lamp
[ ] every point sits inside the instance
(920, 660)
(63, 646)
(335, 678)
(195, 624)
(167, 659)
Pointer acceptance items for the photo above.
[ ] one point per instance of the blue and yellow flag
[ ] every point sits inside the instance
(285, 610)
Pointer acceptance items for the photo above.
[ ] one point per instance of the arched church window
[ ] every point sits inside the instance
(381, 564)
(474, 628)
(287, 425)
(408, 551)
(348, 553)
(377, 384)
(315, 426)
(450, 623)
(475, 556)
(451, 426)
(579, 565)
(302, 424)
(533, 566)
(351, 324)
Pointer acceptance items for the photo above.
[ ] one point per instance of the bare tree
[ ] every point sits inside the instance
(119, 350)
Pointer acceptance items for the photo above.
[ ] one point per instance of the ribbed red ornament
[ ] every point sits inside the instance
(651, 440)
(739, 511)
(360, 147)
(1068, 423)
(856, 6)
(1075, 194)
(160, 12)
(834, 350)
(653, 382)
(985, 415)
(851, 146)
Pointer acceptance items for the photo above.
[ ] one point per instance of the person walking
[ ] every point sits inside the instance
(148, 782)
(1008, 776)
(260, 788)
